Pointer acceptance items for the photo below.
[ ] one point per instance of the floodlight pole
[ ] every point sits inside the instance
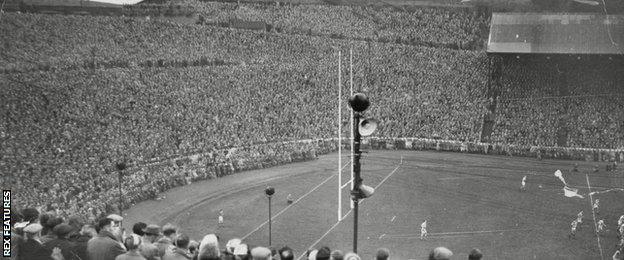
(357, 138)
(120, 172)
(269, 221)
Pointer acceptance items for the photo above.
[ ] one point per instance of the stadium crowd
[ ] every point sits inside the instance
(441, 27)
(46, 236)
(579, 100)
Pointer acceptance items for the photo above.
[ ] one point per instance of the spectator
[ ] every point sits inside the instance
(475, 254)
(337, 255)
(49, 226)
(382, 254)
(352, 256)
(148, 248)
(209, 248)
(440, 253)
(61, 241)
(165, 244)
(31, 248)
(323, 253)
(104, 246)
(181, 250)
(138, 228)
(286, 253)
(131, 243)
(261, 253)
(81, 241)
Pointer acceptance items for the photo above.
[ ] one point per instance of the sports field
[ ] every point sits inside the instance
(468, 200)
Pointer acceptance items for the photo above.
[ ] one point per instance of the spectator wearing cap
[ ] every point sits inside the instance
(31, 247)
(104, 246)
(147, 248)
(165, 243)
(80, 242)
(131, 243)
(382, 254)
(180, 251)
(261, 253)
(231, 245)
(440, 253)
(475, 254)
(286, 253)
(337, 255)
(116, 226)
(242, 252)
(61, 241)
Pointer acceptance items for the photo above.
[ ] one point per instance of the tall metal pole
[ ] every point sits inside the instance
(356, 172)
(339, 138)
(352, 115)
(120, 195)
(269, 221)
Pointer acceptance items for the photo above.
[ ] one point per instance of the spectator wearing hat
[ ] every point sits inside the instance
(337, 255)
(147, 248)
(165, 243)
(231, 245)
(440, 253)
(382, 254)
(180, 251)
(261, 253)
(61, 241)
(242, 252)
(131, 243)
(104, 246)
(286, 253)
(475, 254)
(31, 247)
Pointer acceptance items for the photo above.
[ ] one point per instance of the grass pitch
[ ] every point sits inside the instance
(470, 201)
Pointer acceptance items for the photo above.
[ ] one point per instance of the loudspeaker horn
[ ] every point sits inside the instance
(367, 126)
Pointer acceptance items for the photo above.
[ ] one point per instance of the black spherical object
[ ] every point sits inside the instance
(359, 102)
(269, 191)
(121, 166)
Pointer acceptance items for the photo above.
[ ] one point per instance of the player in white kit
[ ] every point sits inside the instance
(573, 229)
(221, 217)
(523, 187)
(601, 226)
(596, 206)
(423, 230)
(579, 219)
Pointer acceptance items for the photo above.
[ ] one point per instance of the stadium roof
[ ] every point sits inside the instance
(556, 33)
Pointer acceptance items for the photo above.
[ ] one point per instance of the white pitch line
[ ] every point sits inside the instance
(382, 235)
(393, 217)
(295, 202)
(319, 240)
(458, 233)
(338, 222)
(459, 178)
(591, 201)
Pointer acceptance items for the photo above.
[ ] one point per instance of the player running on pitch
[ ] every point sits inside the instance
(579, 219)
(573, 229)
(523, 187)
(596, 206)
(221, 217)
(423, 230)
(289, 199)
(601, 226)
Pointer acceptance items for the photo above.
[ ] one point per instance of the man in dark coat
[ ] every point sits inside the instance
(31, 248)
(86, 233)
(104, 246)
(61, 241)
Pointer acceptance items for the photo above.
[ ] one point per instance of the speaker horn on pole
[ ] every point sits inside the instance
(367, 126)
